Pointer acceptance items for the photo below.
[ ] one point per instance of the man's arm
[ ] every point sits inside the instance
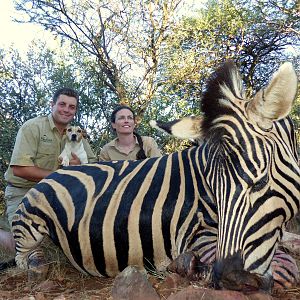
(36, 174)
(31, 173)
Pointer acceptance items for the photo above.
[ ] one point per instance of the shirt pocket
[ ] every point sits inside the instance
(47, 156)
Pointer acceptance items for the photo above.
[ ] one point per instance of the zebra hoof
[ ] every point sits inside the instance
(188, 265)
(37, 268)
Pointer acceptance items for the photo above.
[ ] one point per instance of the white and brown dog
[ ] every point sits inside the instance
(74, 144)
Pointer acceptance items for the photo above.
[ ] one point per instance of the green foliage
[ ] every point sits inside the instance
(22, 96)
(139, 53)
(124, 37)
(258, 35)
(295, 114)
(28, 83)
(21, 81)
(7, 136)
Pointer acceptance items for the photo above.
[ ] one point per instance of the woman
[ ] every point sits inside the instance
(128, 145)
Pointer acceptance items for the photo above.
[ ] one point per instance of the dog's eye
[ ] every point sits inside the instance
(70, 129)
(79, 130)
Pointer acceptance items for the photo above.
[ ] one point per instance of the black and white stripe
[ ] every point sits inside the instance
(226, 200)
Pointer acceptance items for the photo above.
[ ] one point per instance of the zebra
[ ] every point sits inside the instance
(280, 136)
(231, 196)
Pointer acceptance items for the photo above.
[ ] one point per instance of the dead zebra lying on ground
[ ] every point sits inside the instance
(225, 201)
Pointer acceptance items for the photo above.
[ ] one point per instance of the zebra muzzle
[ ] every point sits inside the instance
(229, 274)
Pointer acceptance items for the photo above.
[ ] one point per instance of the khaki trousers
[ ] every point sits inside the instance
(13, 197)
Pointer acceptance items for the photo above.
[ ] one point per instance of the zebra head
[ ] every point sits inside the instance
(250, 163)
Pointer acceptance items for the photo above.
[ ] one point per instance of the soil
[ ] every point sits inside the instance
(66, 283)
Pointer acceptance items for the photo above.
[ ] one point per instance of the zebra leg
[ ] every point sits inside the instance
(37, 266)
(285, 270)
(189, 265)
(29, 256)
(34, 262)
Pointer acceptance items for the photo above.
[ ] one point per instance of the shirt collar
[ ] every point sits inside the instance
(113, 143)
(51, 122)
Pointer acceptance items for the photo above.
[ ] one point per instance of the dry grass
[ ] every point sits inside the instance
(151, 270)
(64, 280)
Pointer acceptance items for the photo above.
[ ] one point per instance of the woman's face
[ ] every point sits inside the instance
(124, 122)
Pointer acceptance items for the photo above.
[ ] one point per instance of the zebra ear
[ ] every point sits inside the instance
(186, 128)
(276, 100)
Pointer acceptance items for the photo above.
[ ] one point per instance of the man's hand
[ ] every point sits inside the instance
(74, 160)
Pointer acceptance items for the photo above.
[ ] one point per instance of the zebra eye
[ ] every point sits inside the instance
(265, 128)
(260, 184)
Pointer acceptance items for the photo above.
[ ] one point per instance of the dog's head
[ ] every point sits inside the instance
(74, 133)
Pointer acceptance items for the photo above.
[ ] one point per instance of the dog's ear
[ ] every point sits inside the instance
(84, 134)
(65, 131)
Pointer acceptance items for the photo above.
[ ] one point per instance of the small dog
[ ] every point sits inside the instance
(74, 144)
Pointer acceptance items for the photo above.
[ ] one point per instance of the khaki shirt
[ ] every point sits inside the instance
(110, 151)
(38, 143)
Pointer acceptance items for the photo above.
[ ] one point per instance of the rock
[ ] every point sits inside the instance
(171, 284)
(60, 297)
(40, 296)
(195, 293)
(133, 284)
(46, 286)
(260, 296)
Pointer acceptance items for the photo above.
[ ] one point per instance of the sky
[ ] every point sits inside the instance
(21, 35)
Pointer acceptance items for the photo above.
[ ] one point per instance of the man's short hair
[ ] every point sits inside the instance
(65, 91)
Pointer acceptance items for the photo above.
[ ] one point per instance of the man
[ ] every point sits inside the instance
(35, 155)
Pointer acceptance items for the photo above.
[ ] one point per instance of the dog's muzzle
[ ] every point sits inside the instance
(74, 137)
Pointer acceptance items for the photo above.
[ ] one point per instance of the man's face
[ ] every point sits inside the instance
(64, 110)
(124, 121)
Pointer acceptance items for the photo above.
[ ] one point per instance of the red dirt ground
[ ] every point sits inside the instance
(66, 283)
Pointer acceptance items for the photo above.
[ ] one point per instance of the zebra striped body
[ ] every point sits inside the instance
(115, 214)
(232, 194)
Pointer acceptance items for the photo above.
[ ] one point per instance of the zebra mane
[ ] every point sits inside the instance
(222, 87)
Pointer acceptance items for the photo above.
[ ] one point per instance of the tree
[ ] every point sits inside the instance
(28, 83)
(138, 52)
(257, 35)
(23, 94)
(126, 38)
